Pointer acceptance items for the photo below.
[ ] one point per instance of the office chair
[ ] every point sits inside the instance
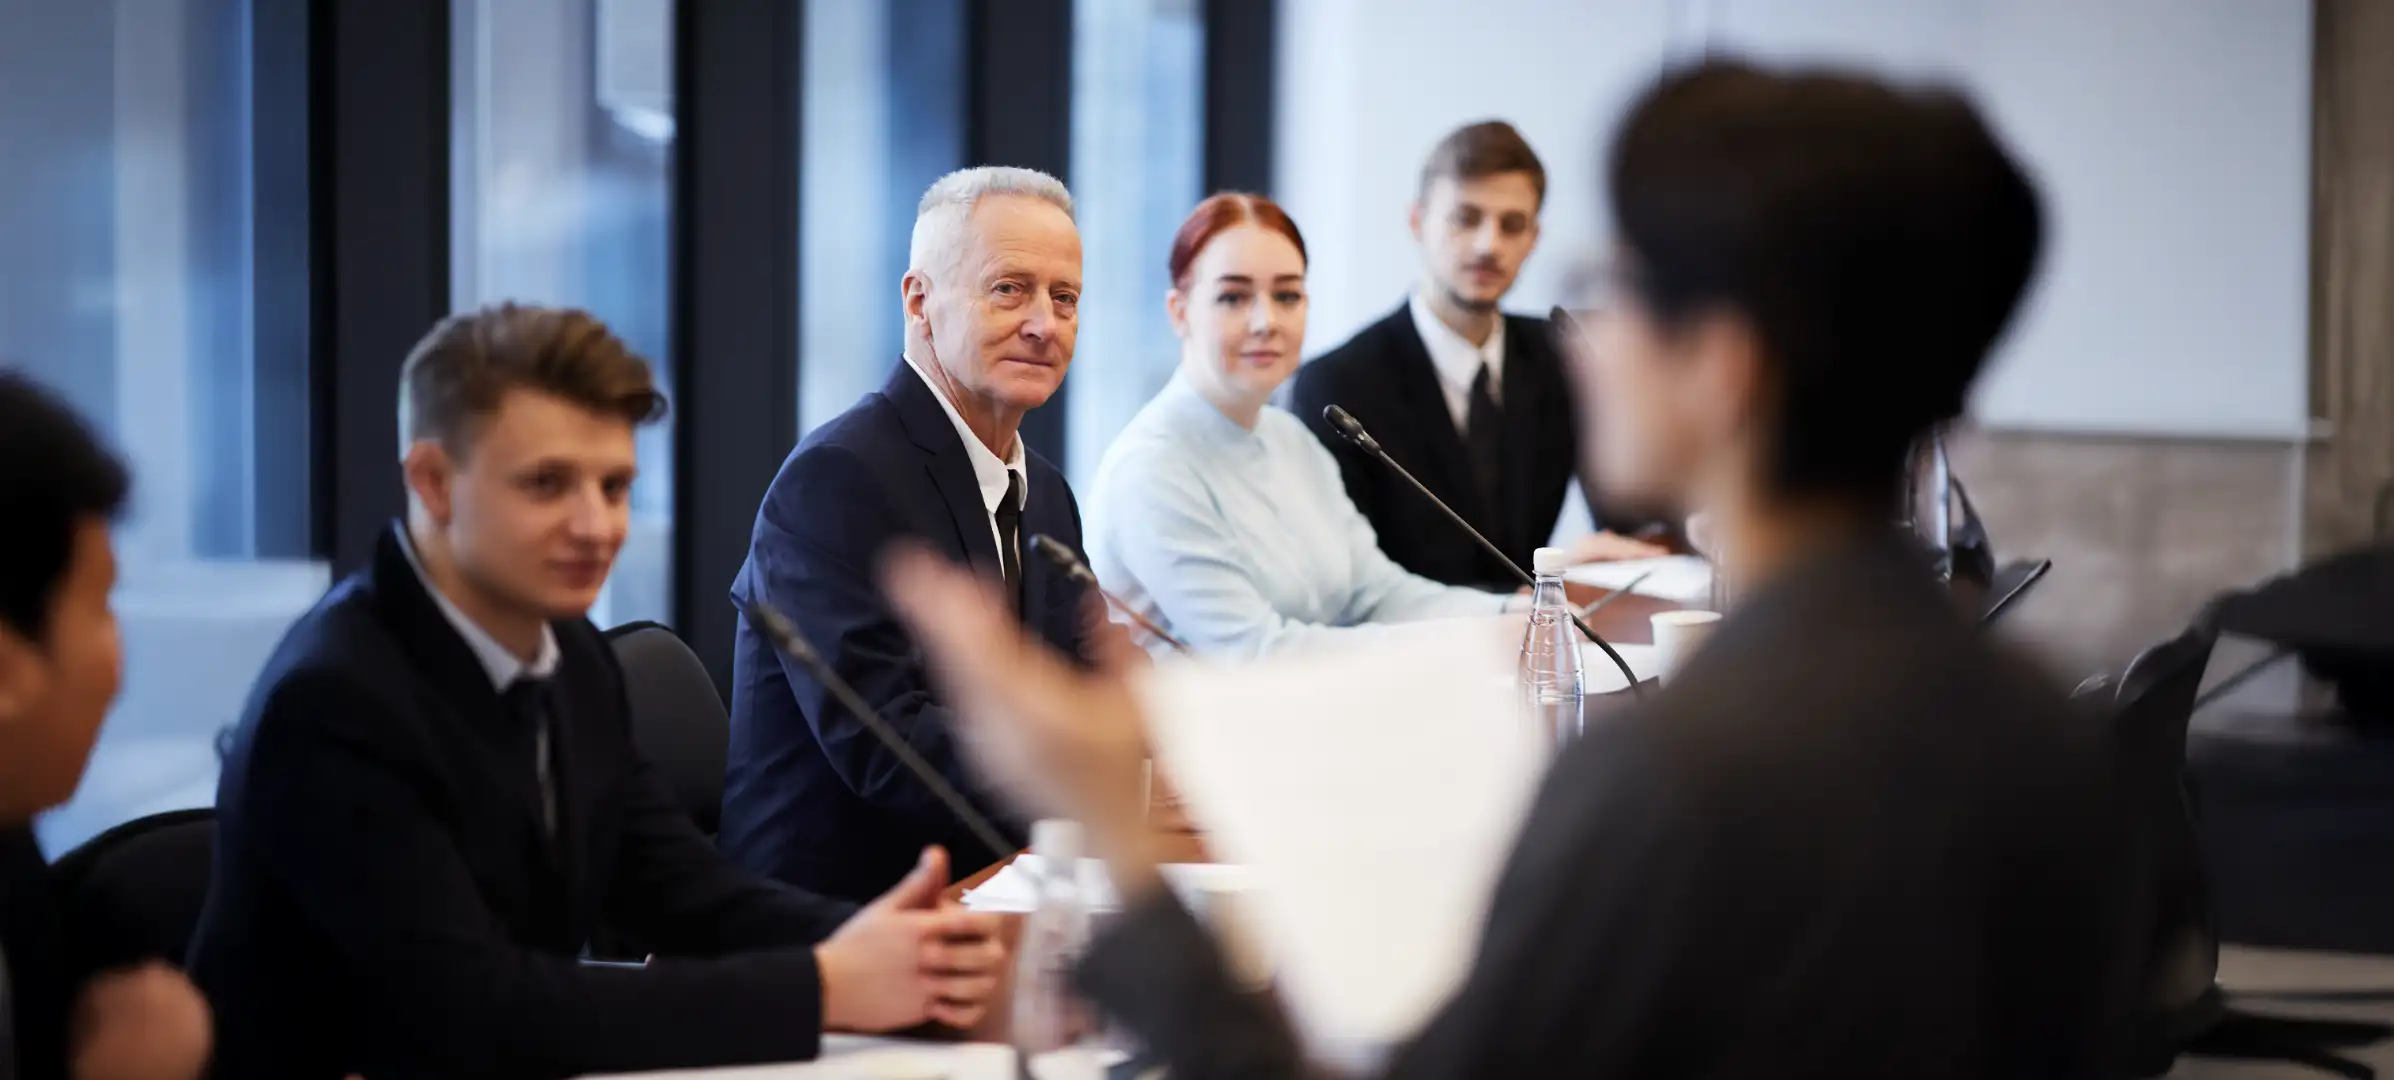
(2182, 1009)
(135, 892)
(679, 721)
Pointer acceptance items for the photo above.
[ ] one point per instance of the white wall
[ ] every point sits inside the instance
(2171, 138)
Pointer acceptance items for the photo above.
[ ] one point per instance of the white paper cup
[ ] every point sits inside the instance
(1677, 636)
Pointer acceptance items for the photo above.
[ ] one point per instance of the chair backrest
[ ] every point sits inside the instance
(135, 892)
(2010, 583)
(678, 718)
(2151, 710)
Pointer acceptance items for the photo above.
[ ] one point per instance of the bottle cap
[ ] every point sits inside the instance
(1057, 841)
(1550, 560)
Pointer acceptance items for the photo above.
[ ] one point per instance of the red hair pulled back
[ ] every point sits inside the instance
(1220, 212)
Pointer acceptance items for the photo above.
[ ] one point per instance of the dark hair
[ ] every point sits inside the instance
(1220, 212)
(55, 474)
(455, 378)
(1487, 148)
(1877, 238)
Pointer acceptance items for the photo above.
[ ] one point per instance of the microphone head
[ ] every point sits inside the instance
(1054, 551)
(1349, 428)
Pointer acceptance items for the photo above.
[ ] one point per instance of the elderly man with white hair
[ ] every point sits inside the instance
(991, 297)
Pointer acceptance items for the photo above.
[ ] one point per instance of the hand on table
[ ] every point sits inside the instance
(1053, 738)
(143, 1023)
(906, 958)
(1608, 546)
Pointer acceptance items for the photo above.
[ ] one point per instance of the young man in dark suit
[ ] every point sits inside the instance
(433, 801)
(1467, 398)
(991, 307)
(1854, 836)
(59, 670)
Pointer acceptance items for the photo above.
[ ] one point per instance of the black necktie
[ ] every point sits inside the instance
(1009, 527)
(528, 700)
(1483, 438)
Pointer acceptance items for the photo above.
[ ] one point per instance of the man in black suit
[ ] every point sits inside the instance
(433, 803)
(1854, 836)
(1467, 398)
(991, 306)
(59, 669)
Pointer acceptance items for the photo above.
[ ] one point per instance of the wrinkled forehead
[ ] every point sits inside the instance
(1023, 232)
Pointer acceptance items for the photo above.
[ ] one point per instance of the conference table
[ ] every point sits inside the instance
(1626, 621)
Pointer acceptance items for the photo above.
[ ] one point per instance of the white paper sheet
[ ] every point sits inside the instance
(1372, 792)
(1683, 579)
(1014, 890)
(1599, 675)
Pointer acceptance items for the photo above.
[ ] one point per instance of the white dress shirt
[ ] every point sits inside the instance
(500, 661)
(1244, 542)
(987, 469)
(1458, 360)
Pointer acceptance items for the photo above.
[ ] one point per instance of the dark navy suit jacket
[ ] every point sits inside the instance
(385, 901)
(810, 796)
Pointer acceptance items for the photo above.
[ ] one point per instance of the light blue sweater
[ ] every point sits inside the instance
(1244, 542)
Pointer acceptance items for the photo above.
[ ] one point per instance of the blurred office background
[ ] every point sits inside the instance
(223, 223)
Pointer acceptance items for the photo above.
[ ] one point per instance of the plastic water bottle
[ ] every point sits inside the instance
(1051, 1026)
(1552, 690)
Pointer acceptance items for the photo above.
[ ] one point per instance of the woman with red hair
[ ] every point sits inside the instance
(1219, 515)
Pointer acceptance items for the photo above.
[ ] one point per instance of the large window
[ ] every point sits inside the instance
(562, 156)
(1137, 145)
(148, 234)
(883, 118)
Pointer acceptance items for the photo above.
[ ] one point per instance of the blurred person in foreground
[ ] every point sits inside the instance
(1215, 513)
(59, 669)
(1855, 837)
(433, 804)
(1473, 401)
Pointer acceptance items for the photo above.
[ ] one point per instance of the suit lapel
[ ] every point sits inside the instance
(928, 426)
(1444, 463)
(457, 675)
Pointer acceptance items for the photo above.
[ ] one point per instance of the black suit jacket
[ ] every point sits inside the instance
(33, 947)
(810, 796)
(1383, 375)
(385, 900)
(1853, 839)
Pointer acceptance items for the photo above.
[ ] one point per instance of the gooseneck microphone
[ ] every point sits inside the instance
(1054, 551)
(784, 635)
(1351, 430)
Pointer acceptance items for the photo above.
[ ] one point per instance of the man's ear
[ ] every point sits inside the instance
(914, 294)
(23, 679)
(1730, 365)
(431, 474)
(1413, 216)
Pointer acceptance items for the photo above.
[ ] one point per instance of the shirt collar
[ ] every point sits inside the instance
(1191, 413)
(1456, 358)
(988, 471)
(497, 659)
